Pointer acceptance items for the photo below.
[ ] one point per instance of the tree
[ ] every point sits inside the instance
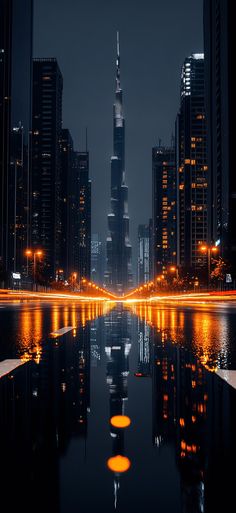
(219, 272)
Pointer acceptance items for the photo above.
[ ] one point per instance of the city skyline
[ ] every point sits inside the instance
(117, 256)
(192, 205)
(148, 60)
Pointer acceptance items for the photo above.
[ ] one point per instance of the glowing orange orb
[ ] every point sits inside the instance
(118, 463)
(120, 421)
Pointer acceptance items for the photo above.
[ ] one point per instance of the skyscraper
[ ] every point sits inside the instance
(119, 251)
(164, 208)
(219, 37)
(97, 256)
(143, 253)
(83, 221)
(16, 30)
(67, 203)
(192, 169)
(46, 161)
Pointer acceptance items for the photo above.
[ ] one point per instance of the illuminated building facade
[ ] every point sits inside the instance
(192, 169)
(219, 37)
(143, 253)
(46, 161)
(16, 31)
(119, 251)
(163, 208)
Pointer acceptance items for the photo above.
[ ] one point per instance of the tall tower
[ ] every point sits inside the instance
(119, 251)
(192, 179)
(46, 161)
(164, 208)
(16, 35)
(219, 37)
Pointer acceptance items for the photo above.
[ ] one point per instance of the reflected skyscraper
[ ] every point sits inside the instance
(47, 407)
(119, 252)
(118, 345)
(180, 402)
(145, 350)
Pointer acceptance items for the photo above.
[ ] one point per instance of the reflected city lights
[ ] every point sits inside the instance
(120, 421)
(210, 337)
(32, 317)
(118, 464)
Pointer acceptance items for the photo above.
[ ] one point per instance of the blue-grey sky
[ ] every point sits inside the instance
(156, 36)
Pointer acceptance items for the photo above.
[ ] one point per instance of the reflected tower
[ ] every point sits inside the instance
(118, 345)
(119, 251)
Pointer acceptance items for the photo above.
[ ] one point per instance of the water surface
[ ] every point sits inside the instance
(154, 364)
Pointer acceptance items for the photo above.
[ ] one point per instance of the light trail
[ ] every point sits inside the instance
(209, 297)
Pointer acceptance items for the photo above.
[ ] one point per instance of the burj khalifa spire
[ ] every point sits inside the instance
(119, 251)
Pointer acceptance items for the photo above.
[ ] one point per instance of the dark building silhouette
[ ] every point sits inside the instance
(119, 272)
(16, 29)
(192, 169)
(143, 253)
(219, 37)
(83, 215)
(164, 209)
(67, 204)
(46, 162)
(97, 259)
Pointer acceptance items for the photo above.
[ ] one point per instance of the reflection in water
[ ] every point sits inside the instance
(179, 415)
(96, 341)
(118, 464)
(205, 331)
(144, 349)
(30, 327)
(43, 407)
(118, 345)
(182, 391)
(120, 421)
(30, 335)
(170, 445)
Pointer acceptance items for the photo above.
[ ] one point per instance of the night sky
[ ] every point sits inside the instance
(156, 36)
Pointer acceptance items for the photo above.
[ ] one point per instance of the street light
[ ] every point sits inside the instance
(30, 253)
(208, 250)
(174, 269)
(74, 277)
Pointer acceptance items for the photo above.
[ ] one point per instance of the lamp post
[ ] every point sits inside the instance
(34, 254)
(174, 269)
(208, 250)
(74, 276)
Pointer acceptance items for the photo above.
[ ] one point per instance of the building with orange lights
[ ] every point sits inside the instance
(163, 208)
(192, 168)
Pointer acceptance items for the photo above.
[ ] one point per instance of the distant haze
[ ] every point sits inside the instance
(156, 36)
